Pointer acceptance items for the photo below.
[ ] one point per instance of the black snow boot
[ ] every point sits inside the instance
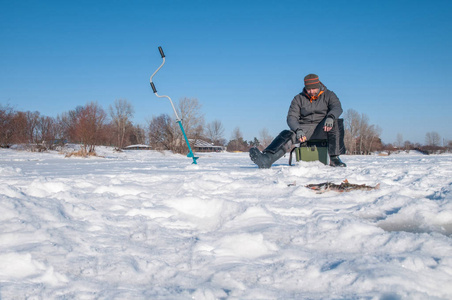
(264, 160)
(277, 148)
(335, 161)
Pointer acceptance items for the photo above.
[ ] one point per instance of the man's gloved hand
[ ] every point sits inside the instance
(328, 124)
(301, 136)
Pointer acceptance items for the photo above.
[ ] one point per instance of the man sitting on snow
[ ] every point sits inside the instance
(313, 115)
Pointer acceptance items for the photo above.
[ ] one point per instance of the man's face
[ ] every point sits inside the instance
(312, 92)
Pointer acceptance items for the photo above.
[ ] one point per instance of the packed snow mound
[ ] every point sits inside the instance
(150, 225)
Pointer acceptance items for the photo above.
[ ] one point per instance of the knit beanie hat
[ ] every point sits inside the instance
(311, 81)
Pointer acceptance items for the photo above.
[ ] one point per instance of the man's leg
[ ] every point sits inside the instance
(278, 147)
(335, 137)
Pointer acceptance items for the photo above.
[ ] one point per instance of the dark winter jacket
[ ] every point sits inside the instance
(304, 114)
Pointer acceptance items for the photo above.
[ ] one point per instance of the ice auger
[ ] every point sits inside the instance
(178, 120)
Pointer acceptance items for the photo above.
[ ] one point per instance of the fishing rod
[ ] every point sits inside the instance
(178, 120)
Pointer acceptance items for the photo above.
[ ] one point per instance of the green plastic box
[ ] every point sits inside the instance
(312, 151)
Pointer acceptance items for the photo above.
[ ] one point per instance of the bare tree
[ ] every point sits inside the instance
(6, 125)
(436, 138)
(432, 138)
(47, 131)
(13, 126)
(407, 145)
(162, 134)
(193, 119)
(64, 127)
(399, 141)
(265, 139)
(237, 143)
(363, 132)
(32, 126)
(372, 139)
(215, 132)
(352, 121)
(89, 126)
(360, 137)
(137, 135)
(428, 139)
(59, 129)
(120, 114)
(20, 123)
(5, 116)
(27, 127)
(237, 134)
(165, 133)
(68, 123)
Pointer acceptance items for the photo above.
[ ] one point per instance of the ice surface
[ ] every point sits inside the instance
(149, 225)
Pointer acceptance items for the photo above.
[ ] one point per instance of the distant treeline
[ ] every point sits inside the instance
(91, 125)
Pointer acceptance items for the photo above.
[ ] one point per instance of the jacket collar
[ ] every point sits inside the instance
(313, 98)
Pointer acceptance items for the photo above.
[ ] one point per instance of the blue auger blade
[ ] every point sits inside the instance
(190, 154)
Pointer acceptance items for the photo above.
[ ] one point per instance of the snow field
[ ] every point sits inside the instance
(149, 225)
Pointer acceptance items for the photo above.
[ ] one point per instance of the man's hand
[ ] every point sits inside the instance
(328, 124)
(301, 136)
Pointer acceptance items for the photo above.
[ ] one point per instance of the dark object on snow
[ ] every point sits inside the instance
(273, 152)
(345, 186)
(335, 161)
(264, 160)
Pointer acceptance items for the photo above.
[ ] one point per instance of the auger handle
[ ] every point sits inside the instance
(153, 87)
(161, 52)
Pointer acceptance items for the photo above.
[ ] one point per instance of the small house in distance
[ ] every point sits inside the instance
(137, 147)
(203, 146)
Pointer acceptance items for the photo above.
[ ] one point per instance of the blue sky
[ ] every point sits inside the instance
(243, 60)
